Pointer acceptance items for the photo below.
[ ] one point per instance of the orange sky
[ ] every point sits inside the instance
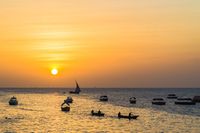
(101, 43)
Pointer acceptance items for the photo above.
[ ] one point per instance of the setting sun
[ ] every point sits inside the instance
(54, 71)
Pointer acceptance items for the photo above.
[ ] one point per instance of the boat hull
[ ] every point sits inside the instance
(65, 109)
(98, 114)
(13, 102)
(172, 97)
(132, 102)
(185, 103)
(158, 103)
(103, 100)
(73, 92)
(128, 117)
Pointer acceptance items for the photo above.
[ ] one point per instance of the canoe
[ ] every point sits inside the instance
(98, 114)
(128, 117)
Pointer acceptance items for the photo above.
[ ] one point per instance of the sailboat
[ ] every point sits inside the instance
(77, 90)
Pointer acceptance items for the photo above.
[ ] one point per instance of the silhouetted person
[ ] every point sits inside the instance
(99, 112)
(119, 114)
(92, 112)
(129, 114)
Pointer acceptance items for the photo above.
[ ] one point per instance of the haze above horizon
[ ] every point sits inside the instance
(101, 43)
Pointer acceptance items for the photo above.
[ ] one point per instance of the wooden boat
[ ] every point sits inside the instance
(77, 90)
(103, 98)
(132, 100)
(172, 96)
(130, 116)
(185, 101)
(13, 101)
(65, 109)
(158, 101)
(99, 113)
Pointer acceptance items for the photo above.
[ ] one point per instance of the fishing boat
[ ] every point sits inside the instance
(172, 96)
(130, 116)
(68, 100)
(77, 89)
(99, 113)
(13, 101)
(158, 101)
(185, 101)
(132, 100)
(103, 98)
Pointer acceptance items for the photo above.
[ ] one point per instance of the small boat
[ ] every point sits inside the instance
(103, 98)
(196, 99)
(99, 113)
(13, 101)
(158, 101)
(132, 100)
(130, 116)
(77, 90)
(185, 101)
(172, 96)
(68, 100)
(65, 107)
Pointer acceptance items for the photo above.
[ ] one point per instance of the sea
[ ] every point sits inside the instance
(39, 111)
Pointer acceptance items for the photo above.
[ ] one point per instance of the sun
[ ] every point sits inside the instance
(54, 71)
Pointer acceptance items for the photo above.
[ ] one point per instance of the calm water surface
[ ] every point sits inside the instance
(39, 111)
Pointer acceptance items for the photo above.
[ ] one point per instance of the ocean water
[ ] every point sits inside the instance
(39, 111)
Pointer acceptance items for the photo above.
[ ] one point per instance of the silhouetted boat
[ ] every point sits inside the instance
(65, 107)
(158, 101)
(103, 98)
(13, 101)
(132, 100)
(68, 100)
(185, 101)
(99, 113)
(130, 116)
(196, 99)
(77, 90)
(172, 96)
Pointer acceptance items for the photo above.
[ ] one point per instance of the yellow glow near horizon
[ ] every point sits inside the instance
(107, 43)
(54, 71)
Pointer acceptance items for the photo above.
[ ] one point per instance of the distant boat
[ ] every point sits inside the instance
(185, 101)
(172, 96)
(68, 100)
(158, 101)
(103, 98)
(99, 113)
(13, 101)
(77, 90)
(130, 116)
(196, 99)
(132, 100)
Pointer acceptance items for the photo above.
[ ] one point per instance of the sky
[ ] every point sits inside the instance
(100, 43)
